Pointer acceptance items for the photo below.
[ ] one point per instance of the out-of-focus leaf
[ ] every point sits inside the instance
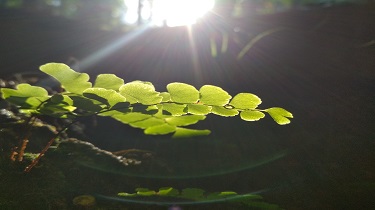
(184, 120)
(168, 191)
(25, 95)
(184, 132)
(193, 193)
(145, 192)
(130, 117)
(161, 129)
(149, 122)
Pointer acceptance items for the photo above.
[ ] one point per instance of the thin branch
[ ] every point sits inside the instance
(50, 142)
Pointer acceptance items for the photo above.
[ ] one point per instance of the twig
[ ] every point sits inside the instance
(36, 160)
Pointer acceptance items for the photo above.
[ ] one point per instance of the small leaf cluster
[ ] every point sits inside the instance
(199, 195)
(137, 103)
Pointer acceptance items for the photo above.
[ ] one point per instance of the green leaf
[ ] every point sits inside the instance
(145, 192)
(25, 95)
(146, 123)
(183, 93)
(130, 117)
(63, 99)
(124, 194)
(166, 96)
(175, 109)
(108, 81)
(213, 95)
(184, 132)
(160, 129)
(140, 92)
(70, 80)
(226, 193)
(193, 193)
(245, 101)
(280, 115)
(251, 115)
(184, 120)
(105, 96)
(218, 110)
(199, 109)
(168, 191)
(85, 104)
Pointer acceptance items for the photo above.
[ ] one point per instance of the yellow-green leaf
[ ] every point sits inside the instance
(199, 109)
(251, 115)
(140, 92)
(130, 117)
(183, 93)
(213, 95)
(245, 101)
(26, 96)
(161, 129)
(149, 122)
(106, 96)
(70, 80)
(219, 110)
(280, 115)
(175, 109)
(108, 81)
(184, 132)
(184, 120)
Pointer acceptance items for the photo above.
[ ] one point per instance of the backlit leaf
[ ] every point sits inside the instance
(199, 109)
(175, 109)
(183, 93)
(166, 96)
(280, 115)
(213, 95)
(218, 110)
(25, 95)
(245, 101)
(184, 120)
(140, 92)
(168, 191)
(130, 117)
(185, 132)
(251, 115)
(106, 96)
(70, 80)
(108, 81)
(85, 104)
(160, 129)
(149, 122)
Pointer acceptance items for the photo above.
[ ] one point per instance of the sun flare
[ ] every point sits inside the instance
(169, 12)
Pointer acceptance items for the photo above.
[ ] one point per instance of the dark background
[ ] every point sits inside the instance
(320, 66)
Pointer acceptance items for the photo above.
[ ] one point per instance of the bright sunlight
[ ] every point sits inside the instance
(169, 12)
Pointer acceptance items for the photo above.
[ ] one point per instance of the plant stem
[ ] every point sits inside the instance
(50, 142)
